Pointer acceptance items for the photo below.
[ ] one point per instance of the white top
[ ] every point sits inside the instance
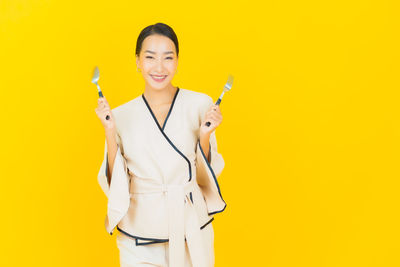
(162, 186)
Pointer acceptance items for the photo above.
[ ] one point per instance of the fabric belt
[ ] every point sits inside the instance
(181, 221)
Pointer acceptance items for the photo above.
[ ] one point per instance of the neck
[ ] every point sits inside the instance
(160, 96)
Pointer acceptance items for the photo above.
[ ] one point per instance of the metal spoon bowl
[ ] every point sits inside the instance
(95, 79)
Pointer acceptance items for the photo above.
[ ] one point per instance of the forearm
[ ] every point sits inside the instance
(112, 148)
(205, 145)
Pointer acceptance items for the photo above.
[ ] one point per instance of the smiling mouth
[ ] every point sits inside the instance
(158, 78)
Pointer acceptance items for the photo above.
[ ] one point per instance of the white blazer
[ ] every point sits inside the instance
(163, 189)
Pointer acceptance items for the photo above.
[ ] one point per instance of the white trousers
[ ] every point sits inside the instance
(156, 254)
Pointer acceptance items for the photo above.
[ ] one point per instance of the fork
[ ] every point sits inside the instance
(227, 87)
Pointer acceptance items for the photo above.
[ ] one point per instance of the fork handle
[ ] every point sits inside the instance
(101, 95)
(216, 103)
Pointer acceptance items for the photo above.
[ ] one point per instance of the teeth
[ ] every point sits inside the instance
(159, 77)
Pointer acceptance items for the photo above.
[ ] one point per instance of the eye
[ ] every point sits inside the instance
(149, 57)
(169, 58)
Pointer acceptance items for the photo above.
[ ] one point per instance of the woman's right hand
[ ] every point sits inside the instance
(102, 110)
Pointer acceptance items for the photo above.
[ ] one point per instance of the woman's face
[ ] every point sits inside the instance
(158, 61)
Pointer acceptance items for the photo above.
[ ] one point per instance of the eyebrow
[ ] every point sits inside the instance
(152, 52)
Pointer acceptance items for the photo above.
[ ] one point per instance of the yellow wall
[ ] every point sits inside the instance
(310, 133)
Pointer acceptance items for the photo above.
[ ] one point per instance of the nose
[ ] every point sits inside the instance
(159, 66)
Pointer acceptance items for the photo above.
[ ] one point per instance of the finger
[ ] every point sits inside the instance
(216, 113)
(210, 116)
(215, 120)
(219, 116)
(105, 112)
(214, 117)
(102, 106)
(216, 109)
(103, 101)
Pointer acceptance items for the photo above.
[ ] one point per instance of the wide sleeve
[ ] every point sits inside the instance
(117, 191)
(208, 172)
(216, 163)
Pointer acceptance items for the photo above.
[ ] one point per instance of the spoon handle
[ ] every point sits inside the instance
(101, 95)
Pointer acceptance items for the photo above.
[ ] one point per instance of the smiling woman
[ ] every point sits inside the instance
(161, 164)
(159, 60)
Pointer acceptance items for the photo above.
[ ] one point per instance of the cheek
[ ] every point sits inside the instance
(147, 65)
(171, 66)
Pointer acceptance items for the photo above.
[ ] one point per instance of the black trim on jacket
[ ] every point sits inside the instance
(215, 179)
(163, 133)
(153, 240)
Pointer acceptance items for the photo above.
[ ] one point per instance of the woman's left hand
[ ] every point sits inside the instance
(214, 116)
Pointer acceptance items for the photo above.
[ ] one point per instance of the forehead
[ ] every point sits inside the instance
(158, 43)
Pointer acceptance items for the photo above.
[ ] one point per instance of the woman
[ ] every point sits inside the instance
(162, 190)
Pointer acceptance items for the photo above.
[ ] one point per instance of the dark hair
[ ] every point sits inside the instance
(158, 28)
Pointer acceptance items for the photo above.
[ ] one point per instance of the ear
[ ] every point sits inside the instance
(137, 61)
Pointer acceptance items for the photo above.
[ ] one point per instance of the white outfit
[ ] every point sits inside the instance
(157, 254)
(163, 189)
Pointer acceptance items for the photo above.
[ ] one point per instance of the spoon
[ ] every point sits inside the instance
(95, 79)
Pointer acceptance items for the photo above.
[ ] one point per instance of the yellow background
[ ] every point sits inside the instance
(310, 133)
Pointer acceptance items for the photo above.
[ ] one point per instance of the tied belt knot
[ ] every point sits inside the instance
(183, 223)
(164, 188)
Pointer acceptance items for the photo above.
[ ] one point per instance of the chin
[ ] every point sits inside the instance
(159, 86)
